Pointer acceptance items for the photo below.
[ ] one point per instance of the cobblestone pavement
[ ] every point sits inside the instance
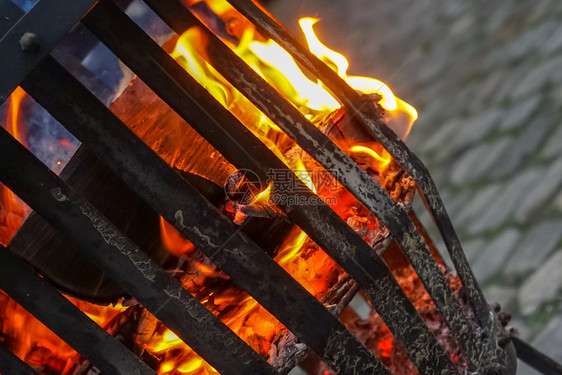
(486, 78)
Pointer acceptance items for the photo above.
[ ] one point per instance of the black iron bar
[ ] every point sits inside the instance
(536, 359)
(288, 118)
(12, 365)
(365, 112)
(36, 33)
(10, 14)
(124, 262)
(200, 222)
(42, 300)
(239, 146)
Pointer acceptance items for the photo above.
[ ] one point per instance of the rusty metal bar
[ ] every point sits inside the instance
(124, 262)
(238, 145)
(198, 220)
(366, 113)
(288, 118)
(42, 300)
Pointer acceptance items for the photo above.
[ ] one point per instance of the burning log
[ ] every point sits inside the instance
(198, 162)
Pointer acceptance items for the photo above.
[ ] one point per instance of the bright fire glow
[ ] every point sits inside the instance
(376, 157)
(298, 255)
(34, 343)
(12, 209)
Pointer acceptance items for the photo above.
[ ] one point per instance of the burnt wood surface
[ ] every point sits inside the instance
(236, 143)
(152, 120)
(56, 257)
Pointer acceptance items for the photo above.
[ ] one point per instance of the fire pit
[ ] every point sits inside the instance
(231, 216)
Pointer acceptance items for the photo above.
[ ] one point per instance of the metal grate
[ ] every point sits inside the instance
(31, 67)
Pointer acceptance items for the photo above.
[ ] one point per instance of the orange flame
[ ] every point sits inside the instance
(12, 209)
(35, 344)
(313, 268)
(376, 158)
(298, 254)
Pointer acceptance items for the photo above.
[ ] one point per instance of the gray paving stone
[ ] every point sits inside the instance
(524, 331)
(492, 259)
(543, 285)
(518, 113)
(505, 296)
(455, 203)
(535, 248)
(553, 44)
(557, 204)
(544, 189)
(504, 203)
(521, 148)
(516, 74)
(475, 161)
(530, 41)
(549, 341)
(297, 371)
(481, 199)
(537, 77)
(487, 95)
(440, 136)
(476, 127)
(473, 248)
(553, 148)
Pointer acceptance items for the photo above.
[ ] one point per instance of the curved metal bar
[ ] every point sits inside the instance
(366, 113)
(332, 158)
(124, 262)
(535, 358)
(199, 221)
(237, 144)
(46, 303)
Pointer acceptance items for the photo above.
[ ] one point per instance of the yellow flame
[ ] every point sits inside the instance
(366, 85)
(186, 54)
(288, 252)
(262, 198)
(372, 153)
(302, 173)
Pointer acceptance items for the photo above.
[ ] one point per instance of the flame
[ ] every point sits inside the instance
(297, 254)
(173, 240)
(262, 198)
(376, 158)
(399, 110)
(35, 344)
(12, 209)
(302, 173)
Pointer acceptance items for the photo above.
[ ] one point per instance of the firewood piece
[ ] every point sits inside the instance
(55, 257)
(175, 142)
(169, 135)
